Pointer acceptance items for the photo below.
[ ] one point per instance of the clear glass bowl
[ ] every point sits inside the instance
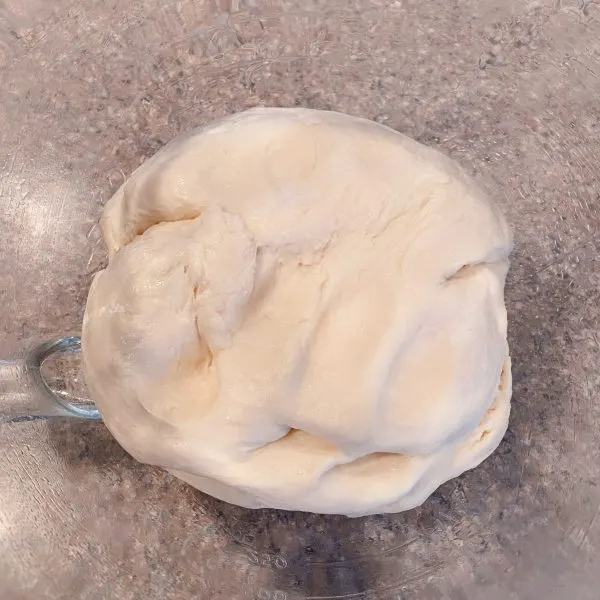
(509, 88)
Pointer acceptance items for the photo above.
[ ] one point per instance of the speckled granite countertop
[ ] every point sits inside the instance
(509, 88)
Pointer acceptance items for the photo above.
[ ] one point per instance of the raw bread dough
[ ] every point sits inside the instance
(302, 310)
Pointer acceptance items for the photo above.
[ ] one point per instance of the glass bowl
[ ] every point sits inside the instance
(509, 88)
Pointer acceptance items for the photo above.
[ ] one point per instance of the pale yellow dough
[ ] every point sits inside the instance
(302, 310)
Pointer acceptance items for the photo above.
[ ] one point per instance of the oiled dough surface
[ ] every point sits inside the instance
(302, 310)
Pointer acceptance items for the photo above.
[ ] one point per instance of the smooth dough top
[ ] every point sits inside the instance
(302, 310)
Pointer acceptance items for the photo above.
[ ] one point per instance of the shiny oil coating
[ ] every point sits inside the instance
(507, 88)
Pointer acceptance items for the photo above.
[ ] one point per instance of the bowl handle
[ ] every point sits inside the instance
(24, 393)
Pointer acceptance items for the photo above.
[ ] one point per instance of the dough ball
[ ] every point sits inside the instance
(302, 310)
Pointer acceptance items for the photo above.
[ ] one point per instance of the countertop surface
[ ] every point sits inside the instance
(509, 88)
